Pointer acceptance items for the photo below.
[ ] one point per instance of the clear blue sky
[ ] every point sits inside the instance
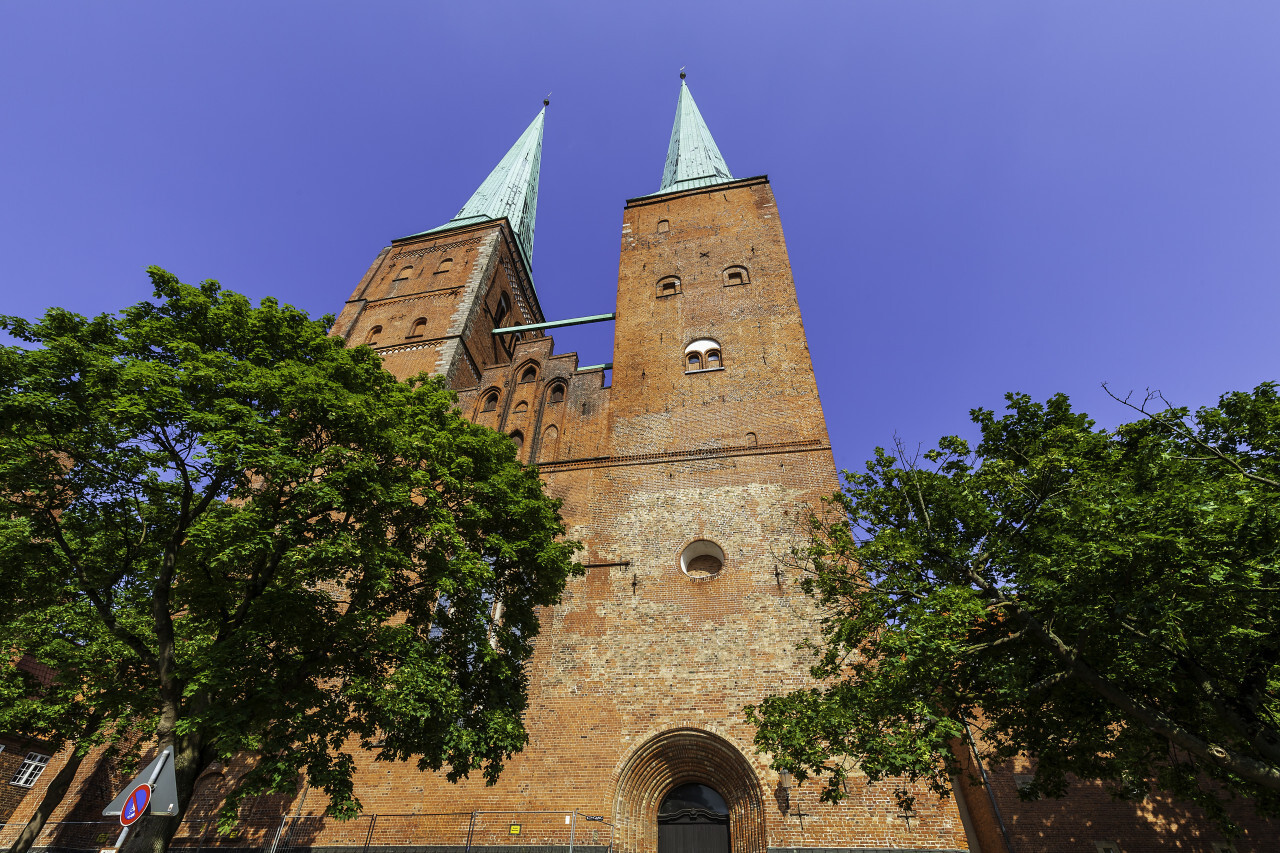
(978, 197)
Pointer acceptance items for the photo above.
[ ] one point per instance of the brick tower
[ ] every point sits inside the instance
(430, 301)
(687, 479)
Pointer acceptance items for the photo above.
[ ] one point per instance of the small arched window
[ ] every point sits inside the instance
(550, 442)
(663, 226)
(530, 373)
(490, 402)
(419, 326)
(751, 439)
(521, 407)
(517, 438)
(446, 264)
(404, 273)
(372, 338)
(736, 275)
(556, 394)
(703, 354)
(668, 286)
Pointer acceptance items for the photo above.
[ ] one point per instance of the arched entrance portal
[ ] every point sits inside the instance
(693, 818)
(685, 757)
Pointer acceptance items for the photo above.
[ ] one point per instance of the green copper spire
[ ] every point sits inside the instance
(511, 190)
(693, 160)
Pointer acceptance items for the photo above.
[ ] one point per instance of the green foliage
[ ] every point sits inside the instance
(1103, 601)
(226, 530)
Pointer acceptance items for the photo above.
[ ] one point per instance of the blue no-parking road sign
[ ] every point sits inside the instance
(162, 790)
(135, 805)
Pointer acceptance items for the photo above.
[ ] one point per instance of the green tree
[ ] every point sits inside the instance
(1105, 601)
(222, 522)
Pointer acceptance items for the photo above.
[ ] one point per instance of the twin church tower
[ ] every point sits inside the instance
(687, 479)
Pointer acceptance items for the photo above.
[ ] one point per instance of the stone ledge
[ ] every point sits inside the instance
(705, 453)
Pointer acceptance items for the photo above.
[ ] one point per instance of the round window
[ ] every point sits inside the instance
(701, 559)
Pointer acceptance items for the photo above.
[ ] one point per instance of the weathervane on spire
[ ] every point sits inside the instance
(681, 72)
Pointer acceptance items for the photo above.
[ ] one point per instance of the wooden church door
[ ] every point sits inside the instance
(693, 819)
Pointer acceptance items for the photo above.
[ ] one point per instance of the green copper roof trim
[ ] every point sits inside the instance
(555, 324)
(510, 191)
(693, 160)
(608, 365)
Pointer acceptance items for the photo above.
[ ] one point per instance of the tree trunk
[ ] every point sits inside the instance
(52, 797)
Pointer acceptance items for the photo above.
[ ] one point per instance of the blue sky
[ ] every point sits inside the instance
(978, 197)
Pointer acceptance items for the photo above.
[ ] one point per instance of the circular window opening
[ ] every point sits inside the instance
(701, 559)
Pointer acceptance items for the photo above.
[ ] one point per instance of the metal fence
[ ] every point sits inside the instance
(460, 832)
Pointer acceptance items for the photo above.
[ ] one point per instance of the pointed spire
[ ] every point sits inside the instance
(511, 190)
(693, 160)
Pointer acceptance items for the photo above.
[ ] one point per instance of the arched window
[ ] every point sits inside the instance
(372, 338)
(490, 402)
(404, 273)
(668, 286)
(735, 275)
(556, 395)
(521, 407)
(504, 308)
(529, 374)
(446, 264)
(703, 354)
(550, 443)
(419, 326)
(751, 439)
(663, 226)
(517, 438)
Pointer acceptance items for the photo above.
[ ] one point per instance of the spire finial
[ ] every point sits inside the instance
(546, 102)
(682, 74)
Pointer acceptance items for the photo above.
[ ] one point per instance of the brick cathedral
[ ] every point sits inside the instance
(687, 477)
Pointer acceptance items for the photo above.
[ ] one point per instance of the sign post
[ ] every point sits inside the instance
(161, 785)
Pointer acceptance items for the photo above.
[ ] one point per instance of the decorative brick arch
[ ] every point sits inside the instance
(678, 757)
